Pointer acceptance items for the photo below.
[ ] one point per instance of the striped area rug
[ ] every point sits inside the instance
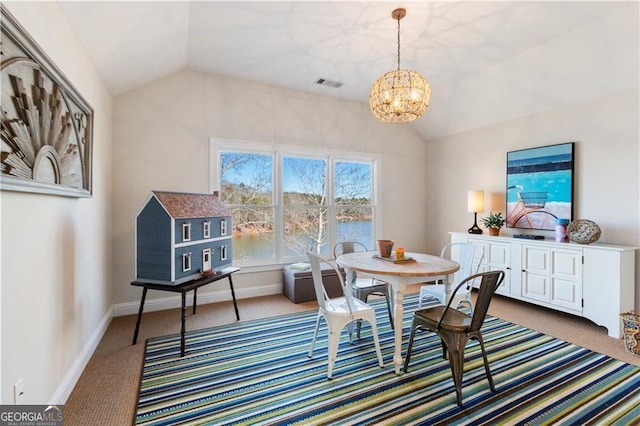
(258, 373)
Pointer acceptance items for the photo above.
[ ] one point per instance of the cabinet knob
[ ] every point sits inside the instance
(524, 270)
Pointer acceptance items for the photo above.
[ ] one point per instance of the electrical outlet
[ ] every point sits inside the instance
(18, 392)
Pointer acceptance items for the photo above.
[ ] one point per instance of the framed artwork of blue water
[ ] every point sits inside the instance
(540, 186)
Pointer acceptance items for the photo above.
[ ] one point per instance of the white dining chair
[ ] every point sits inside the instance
(338, 312)
(470, 258)
(363, 287)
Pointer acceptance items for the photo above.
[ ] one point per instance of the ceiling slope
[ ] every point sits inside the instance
(486, 61)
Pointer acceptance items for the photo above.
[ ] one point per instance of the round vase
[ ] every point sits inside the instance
(385, 247)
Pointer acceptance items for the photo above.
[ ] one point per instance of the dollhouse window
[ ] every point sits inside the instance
(223, 252)
(206, 229)
(186, 231)
(223, 227)
(186, 262)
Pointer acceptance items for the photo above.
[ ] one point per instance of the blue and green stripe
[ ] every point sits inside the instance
(258, 372)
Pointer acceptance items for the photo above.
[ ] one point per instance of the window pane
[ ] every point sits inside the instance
(305, 205)
(305, 229)
(355, 224)
(352, 196)
(253, 234)
(246, 178)
(352, 183)
(304, 181)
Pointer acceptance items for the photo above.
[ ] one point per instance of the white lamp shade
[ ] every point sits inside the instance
(475, 201)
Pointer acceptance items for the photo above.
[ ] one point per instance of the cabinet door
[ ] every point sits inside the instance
(536, 273)
(566, 279)
(552, 276)
(483, 262)
(498, 258)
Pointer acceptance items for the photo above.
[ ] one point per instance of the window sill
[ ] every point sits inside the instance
(252, 269)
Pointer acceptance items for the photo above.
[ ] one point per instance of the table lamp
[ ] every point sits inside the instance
(475, 204)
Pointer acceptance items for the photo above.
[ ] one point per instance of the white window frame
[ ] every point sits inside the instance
(186, 231)
(206, 229)
(278, 152)
(223, 227)
(186, 262)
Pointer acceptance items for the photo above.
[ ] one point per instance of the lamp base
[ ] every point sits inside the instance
(475, 229)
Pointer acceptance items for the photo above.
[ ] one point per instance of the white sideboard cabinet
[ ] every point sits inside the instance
(595, 281)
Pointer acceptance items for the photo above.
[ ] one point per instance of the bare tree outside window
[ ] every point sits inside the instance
(307, 212)
(305, 205)
(247, 189)
(353, 189)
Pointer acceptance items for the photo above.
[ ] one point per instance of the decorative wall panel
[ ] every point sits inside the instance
(46, 124)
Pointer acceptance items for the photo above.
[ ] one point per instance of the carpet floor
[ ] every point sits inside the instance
(258, 372)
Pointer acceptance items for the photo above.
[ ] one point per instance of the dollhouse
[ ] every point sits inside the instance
(181, 236)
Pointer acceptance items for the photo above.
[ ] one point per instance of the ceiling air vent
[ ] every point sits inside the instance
(324, 82)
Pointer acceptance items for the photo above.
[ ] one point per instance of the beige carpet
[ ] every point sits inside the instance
(106, 393)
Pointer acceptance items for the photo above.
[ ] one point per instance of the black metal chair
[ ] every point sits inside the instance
(362, 288)
(455, 328)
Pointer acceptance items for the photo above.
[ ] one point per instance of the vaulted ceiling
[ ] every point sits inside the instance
(292, 44)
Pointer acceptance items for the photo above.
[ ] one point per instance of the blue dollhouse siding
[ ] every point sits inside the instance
(152, 249)
(179, 235)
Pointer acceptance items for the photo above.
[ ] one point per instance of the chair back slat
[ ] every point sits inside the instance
(488, 286)
(316, 262)
(469, 257)
(347, 247)
(316, 276)
(490, 281)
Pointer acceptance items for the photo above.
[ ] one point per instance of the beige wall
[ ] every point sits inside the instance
(60, 279)
(176, 115)
(607, 179)
(161, 142)
(56, 265)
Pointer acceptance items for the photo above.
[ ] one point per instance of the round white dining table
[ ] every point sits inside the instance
(425, 268)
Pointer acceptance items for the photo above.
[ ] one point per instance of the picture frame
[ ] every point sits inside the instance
(540, 186)
(46, 125)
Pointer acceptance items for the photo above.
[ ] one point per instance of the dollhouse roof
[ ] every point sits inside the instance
(182, 205)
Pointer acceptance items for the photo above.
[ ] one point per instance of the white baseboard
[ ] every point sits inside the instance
(172, 302)
(70, 379)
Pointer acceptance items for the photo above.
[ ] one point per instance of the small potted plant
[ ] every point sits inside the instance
(493, 223)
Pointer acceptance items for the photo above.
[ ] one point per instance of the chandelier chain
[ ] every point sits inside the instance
(398, 43)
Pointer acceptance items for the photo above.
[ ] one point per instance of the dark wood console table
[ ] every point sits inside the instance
(183, 289)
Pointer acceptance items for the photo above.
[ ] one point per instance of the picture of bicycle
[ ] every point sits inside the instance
(529, 211)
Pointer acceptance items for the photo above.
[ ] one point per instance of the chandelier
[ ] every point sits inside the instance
(399, 96)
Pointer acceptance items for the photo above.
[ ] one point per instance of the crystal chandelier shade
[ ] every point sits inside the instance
(399, 96)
